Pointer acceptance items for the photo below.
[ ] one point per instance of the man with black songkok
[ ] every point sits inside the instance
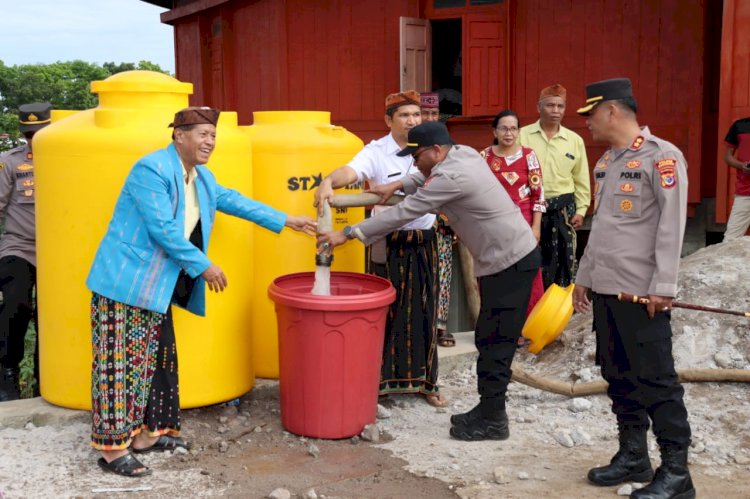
(152, 256)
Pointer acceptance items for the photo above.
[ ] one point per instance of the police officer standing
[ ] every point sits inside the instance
(455, 181)
(640, 204)
(18, 246)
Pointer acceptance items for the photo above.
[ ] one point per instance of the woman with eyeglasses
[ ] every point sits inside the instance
(519, 171)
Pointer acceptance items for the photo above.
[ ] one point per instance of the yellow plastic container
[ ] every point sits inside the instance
(81, 163)
(549, 317)
(292, 152)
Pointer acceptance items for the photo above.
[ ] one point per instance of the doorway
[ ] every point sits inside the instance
(447, 65)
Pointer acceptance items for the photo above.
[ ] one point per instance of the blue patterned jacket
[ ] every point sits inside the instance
(140, 258)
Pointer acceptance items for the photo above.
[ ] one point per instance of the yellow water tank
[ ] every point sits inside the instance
(292, 152)
(81, 163)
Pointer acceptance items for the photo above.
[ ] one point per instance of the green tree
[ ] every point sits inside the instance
(65, 84)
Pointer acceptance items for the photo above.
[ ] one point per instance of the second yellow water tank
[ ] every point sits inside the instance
(292, 152)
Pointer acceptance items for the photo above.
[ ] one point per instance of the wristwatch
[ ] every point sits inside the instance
(348, 232)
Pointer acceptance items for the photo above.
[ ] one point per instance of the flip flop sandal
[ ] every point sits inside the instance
(126, 465)
(446, 340)
(164, 443)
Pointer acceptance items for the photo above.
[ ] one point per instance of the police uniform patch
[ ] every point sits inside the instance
(666, 168)
(637, 143)
(627, 187)
(534, 179)
(633, 164)
(626, 205)
(510, 177)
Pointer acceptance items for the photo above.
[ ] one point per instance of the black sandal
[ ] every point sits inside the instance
(445, 339)
(164, 443)
(126, 465)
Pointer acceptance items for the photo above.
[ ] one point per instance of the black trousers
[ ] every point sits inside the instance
(17, 280)
(635, 354)
(504, 300)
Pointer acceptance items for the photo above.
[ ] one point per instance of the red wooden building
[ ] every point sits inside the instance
(689, 61)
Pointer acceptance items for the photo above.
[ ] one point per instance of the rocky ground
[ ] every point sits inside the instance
(242, 451)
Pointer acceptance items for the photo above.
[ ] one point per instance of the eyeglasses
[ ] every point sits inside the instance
(415, 155)
(505, 129)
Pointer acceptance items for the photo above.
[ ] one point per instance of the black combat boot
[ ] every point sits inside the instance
(480, 423)
(672, 480)
(466, 417)
(631, 463)
(8, 384)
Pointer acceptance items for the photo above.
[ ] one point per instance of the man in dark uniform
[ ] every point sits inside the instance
(640, 207)
(454, 180)
(18, 247)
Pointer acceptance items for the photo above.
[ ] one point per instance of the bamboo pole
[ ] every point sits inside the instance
(600, 386)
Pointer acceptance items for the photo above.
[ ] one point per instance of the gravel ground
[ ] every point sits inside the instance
(244, 452)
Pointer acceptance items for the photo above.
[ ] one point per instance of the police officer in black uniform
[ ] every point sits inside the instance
(18, 247)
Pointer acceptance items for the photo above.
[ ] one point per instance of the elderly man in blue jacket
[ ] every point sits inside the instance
(153, 255)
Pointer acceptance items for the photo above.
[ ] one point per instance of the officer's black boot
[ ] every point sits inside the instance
(631, 463)
(486, 421)
(466, 417)
(8, 384)
(672, 479)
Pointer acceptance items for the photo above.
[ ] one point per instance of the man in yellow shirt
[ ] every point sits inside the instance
(567, 187)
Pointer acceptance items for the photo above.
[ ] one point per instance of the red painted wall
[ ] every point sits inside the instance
(343, 56)
(340, 56)
(658, 45)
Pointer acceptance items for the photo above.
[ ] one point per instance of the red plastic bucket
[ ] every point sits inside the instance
(330, 351)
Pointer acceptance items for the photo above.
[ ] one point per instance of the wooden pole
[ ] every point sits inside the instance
(676, 304)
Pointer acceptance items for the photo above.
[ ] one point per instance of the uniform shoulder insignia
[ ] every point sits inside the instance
(637, 143)
(667, 172)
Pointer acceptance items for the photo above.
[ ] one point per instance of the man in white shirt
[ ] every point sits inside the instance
(410, 363)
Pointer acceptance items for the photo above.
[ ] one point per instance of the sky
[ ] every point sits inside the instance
(96, 31)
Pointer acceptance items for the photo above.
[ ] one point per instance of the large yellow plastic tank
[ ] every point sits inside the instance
(81, 162)
(292, 152)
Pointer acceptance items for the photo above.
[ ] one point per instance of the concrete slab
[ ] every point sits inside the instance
(18, 413)
(460, 357)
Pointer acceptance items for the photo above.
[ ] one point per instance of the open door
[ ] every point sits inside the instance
(416, 54)
(485, 75)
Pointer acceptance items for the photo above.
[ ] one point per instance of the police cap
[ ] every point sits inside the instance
(596, 93)
(34, 116)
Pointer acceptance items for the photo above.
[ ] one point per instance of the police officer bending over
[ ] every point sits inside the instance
(18, 247)
(640, 204)
(455, 181)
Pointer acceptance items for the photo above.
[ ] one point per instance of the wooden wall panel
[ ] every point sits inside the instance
(189, 56)
(658, 45)
(734, 98)
(259, 57)
(343, 58)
